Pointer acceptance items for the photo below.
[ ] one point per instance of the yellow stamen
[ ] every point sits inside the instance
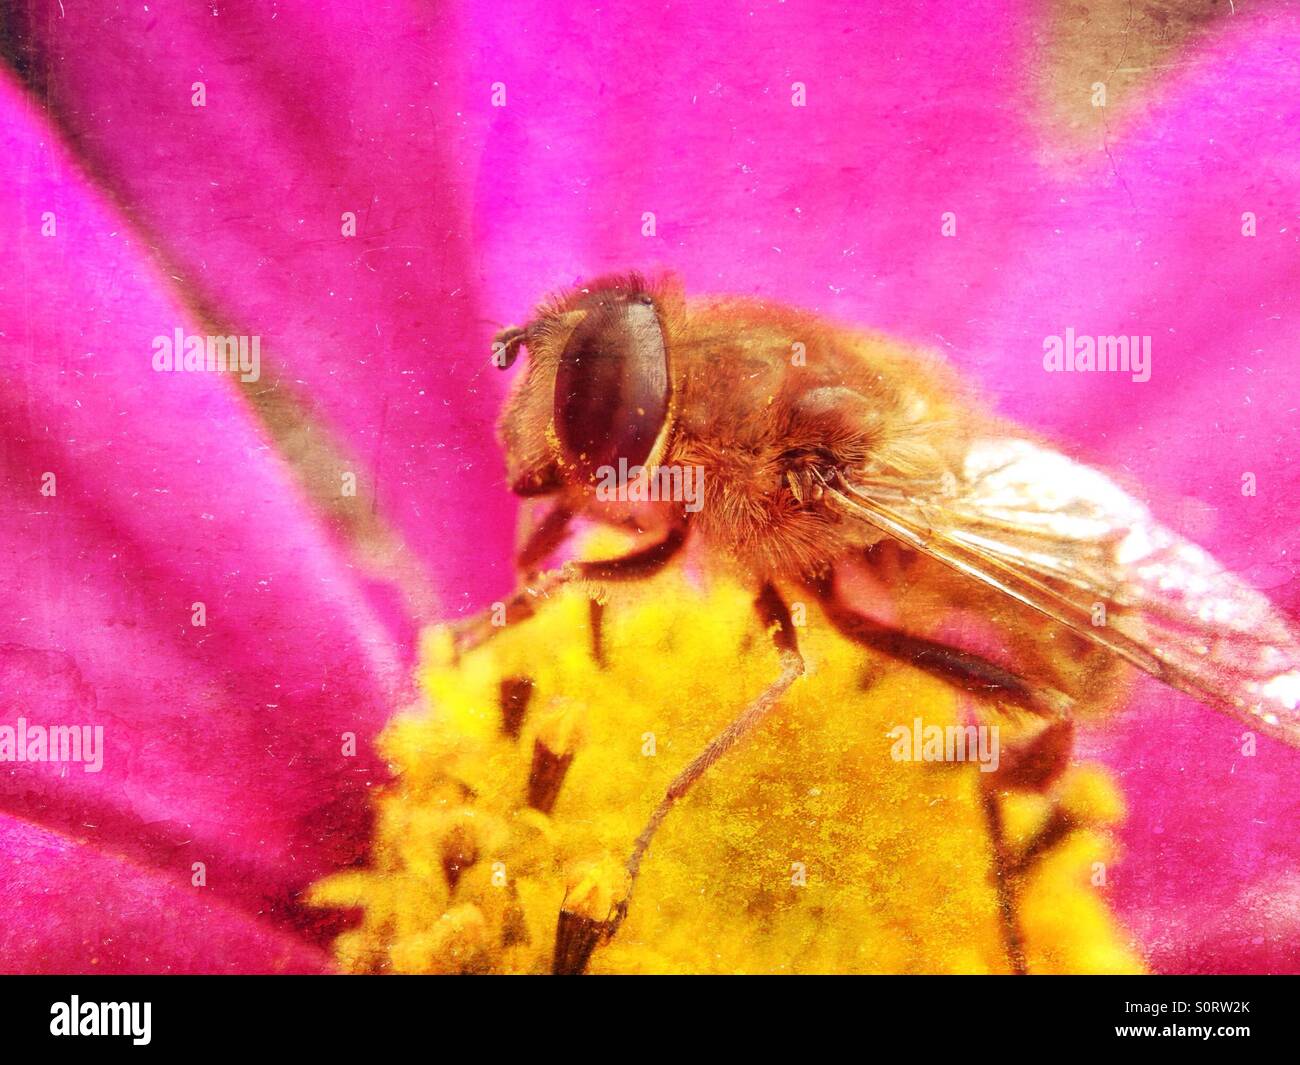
(809, 848)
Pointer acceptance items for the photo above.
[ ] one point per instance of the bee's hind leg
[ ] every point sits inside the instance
(1034, 768)
(967, 670)
(776, 618)
(1013, 939)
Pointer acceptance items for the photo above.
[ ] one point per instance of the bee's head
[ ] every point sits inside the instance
(597, 388)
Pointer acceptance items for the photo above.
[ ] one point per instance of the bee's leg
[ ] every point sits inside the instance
(1040, 762)
(1068, 670)
(967, 670)
(1012, 938)
(1031, 766)
(541, 542)
(544, 538)
(596, 626)
(773, 611)
(640, 564)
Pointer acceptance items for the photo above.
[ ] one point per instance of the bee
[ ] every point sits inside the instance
(831, 456)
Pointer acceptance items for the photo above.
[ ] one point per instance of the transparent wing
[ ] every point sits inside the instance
(1063, 538)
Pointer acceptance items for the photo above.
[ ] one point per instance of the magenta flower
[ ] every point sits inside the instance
(644, 138)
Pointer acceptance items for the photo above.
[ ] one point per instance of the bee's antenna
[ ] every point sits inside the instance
(506, 345)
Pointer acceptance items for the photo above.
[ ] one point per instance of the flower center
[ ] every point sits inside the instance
(532, 763)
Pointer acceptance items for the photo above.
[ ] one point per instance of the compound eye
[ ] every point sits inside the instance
(611, 386)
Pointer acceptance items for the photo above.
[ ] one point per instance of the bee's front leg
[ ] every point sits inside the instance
(543, 539)
(637, 565)
(773, 612)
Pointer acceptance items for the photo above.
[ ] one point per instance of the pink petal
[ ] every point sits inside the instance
(66, 907)
(1207, 824)
(1257, 933)
(223, 743)
(911, 110)
(314, 110)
